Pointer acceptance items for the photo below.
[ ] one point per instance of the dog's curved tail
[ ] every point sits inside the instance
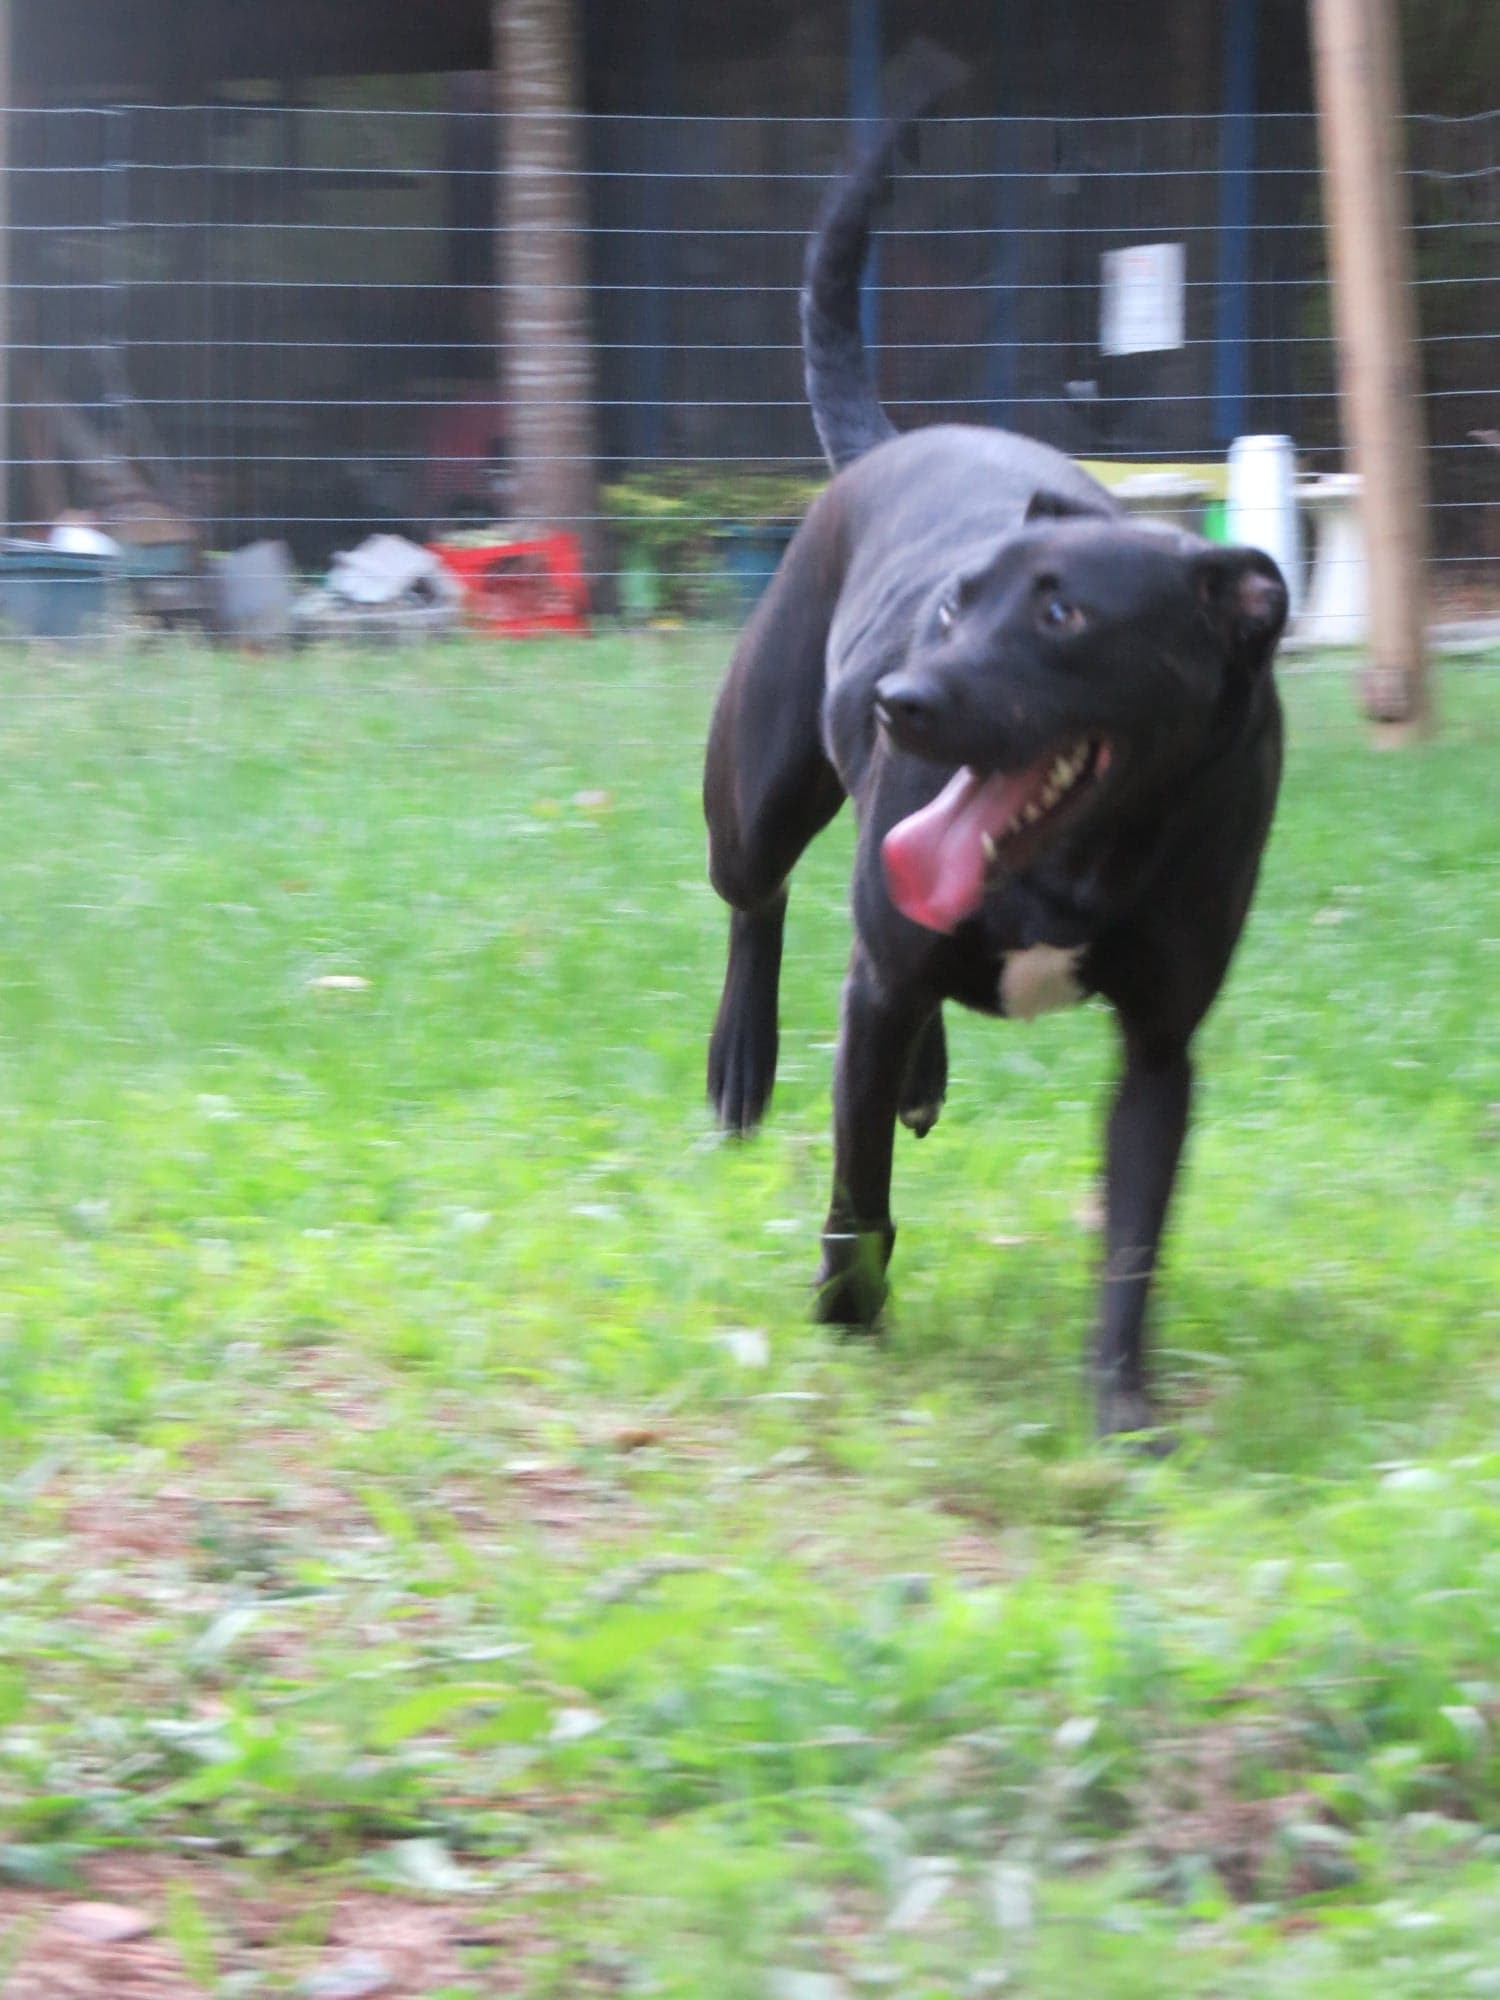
(839, 373)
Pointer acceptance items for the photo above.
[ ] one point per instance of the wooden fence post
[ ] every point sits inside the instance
(1367, 213)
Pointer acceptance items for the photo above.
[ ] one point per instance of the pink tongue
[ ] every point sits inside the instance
(934, 861)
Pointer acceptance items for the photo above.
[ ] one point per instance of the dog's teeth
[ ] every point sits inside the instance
(1060, 778)
(987, 846)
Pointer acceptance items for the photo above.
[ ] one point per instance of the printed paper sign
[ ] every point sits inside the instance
(1142, 298)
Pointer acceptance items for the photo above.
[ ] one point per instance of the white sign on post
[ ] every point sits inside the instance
(1142, 299)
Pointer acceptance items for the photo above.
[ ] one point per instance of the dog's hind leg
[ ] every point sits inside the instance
(768, 789)
(925, 1084)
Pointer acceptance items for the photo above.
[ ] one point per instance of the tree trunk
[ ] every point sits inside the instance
(547, 369)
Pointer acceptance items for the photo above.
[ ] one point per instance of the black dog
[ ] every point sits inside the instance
(1063, 742)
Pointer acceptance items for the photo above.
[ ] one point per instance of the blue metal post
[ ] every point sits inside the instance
(864, 106)
(1236, 218)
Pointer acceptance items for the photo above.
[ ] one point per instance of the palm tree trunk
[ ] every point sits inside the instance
(547, 354)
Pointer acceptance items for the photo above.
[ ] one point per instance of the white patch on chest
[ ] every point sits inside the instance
(1040, 980)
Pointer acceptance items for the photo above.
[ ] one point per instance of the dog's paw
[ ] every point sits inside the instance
(742, 1049)
(1127, 1419)
(739, 1084)
(850, 1290)
(848, 1303)
(925, 1083)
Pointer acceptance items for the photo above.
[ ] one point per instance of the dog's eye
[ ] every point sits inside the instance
(1057, 615)
(947, 611)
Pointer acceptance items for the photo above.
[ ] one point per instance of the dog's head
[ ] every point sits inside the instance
(1074, 678)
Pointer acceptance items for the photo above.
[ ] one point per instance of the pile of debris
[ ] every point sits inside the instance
(124, 546)
(386, 589)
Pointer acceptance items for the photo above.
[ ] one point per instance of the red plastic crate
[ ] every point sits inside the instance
(522, 587)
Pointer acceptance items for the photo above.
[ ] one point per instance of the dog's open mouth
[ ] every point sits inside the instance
(938, 862)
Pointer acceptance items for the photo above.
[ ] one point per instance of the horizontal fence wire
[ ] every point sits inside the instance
(291, 322)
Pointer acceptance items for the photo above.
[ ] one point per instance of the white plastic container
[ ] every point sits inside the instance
(1262, 509)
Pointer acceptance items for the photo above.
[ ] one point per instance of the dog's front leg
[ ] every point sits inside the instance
(1146, 1131)
(876, 1033)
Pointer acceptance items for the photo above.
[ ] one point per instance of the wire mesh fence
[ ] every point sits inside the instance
(252, 320)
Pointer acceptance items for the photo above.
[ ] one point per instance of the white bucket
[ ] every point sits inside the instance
(1262, 510)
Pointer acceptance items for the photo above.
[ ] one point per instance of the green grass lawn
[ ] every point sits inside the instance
(427, 1515)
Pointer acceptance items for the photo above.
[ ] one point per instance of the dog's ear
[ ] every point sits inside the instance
(1243, 595)
(1045, 505)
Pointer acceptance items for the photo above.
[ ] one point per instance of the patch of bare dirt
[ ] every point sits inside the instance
(976, 1558)
(1196, 1806)
(112, 1938)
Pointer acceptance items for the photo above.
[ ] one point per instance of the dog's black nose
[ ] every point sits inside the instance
(906, 704)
